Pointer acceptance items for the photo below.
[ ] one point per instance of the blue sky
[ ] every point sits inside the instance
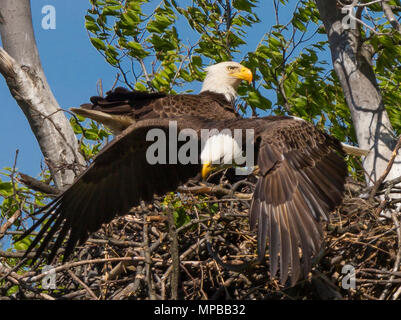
(73, 67)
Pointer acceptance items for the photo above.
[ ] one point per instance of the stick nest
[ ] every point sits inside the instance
(196, 244)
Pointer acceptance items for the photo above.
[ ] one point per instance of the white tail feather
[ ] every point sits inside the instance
(115, 123)
(355, 151)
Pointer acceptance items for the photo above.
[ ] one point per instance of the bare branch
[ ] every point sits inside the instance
(37, 185)
(388, 12)
(21, 67)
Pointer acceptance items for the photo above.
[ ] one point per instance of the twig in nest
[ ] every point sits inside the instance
(75, 264)
(397, 259)
(132, 287)
(175, 257)
(231, 267)
(79, 281)
(148, 261)
(217, 190)
(15, 255)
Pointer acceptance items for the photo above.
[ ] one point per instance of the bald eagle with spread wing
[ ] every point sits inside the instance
(301, 169)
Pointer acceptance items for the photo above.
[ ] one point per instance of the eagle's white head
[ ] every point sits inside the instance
(225, 77)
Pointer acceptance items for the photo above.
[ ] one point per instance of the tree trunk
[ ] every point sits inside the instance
(21, 67)
(352, 61)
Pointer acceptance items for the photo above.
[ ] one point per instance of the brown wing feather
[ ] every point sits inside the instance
(302, 179)
(141, 105)
(119, 178)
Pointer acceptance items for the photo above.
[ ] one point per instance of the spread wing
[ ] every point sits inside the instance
(119, 178)
(302, 179)
(140, 105)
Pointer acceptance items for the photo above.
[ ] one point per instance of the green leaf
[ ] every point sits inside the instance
(243, 5)
(137, 49)
(98, 44)
(23, 244)
(112, 10)
(6, 189)
(256, 100)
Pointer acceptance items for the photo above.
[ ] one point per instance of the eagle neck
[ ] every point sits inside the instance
(228, 92)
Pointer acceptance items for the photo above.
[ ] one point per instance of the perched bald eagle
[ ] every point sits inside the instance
(301, 169)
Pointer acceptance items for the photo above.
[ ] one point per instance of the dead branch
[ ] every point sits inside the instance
(37, 185)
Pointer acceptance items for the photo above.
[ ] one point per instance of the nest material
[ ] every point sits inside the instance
(208, 252)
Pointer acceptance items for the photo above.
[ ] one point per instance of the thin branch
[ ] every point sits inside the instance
(148, 260)
(397, 259)
(175, 257)
(73, 276)
(386, 172)
(388, 12)
(37, 185)
(146, 74)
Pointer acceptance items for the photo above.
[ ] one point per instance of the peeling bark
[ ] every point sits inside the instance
(20, 65)
(352, 62)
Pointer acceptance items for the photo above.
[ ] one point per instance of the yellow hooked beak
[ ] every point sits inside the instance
(244, 74)
(209, 167)
(206, 169)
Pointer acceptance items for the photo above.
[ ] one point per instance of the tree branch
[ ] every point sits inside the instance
(37, 185)
(388, 12)
(353, 67)
(21, 67)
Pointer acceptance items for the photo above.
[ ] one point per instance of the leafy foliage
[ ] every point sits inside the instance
(92, 136)
(291, 73)
(17, 200)
(147, 40)
(183, 207)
